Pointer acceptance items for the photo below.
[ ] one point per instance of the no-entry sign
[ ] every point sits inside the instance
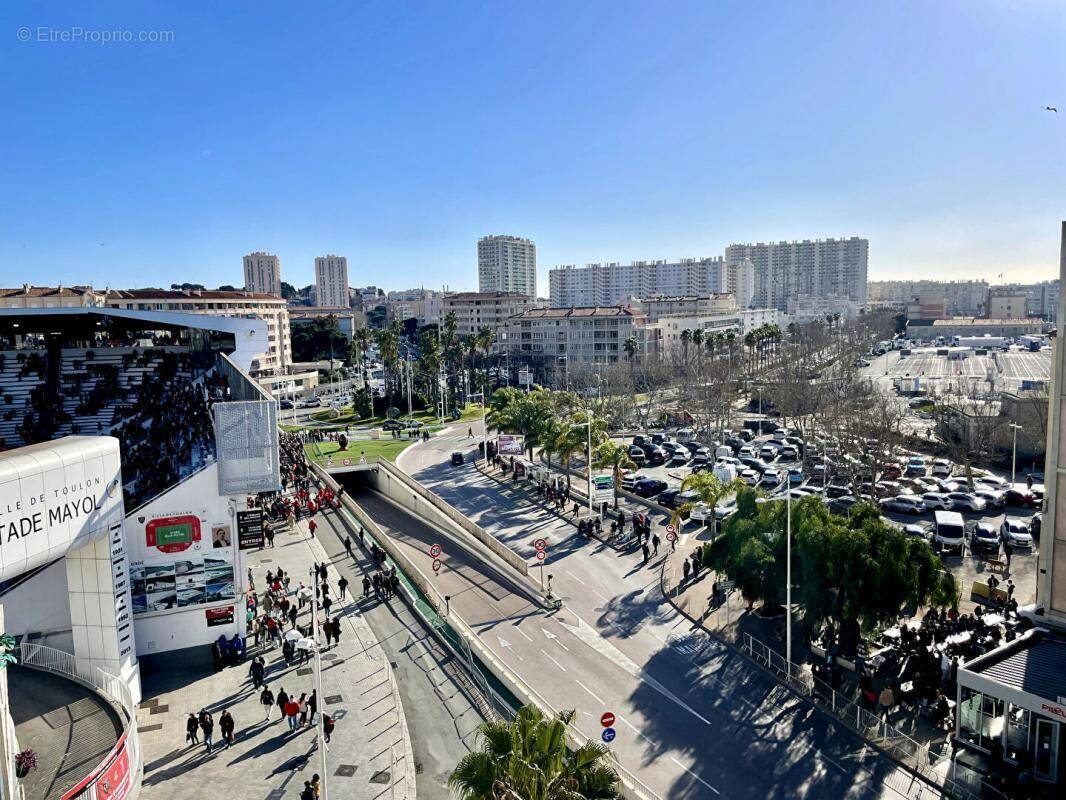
(607, 720)
(669, 528)
(540, 555)
(670, 536)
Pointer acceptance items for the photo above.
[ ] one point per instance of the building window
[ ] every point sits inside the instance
(981, 718)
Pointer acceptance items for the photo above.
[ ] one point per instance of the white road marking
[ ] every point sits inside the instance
(526, 635)
(552, 636)
(694, 775)
(560, 666)
(587, 689)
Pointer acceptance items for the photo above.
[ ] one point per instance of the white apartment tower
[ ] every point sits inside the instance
(820, 268)
(331, 281)
(507, 264)
(262, 273)
(613, 283)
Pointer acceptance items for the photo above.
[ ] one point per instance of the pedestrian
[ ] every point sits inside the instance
(1029, 482)
(256, 671)
(226, 726)
(361, 542)
(207, 728)
(336, 630)
(1008, 551)
(308, 792)
(292, 616)
(312, 526)
(267, 701)
(327, 726)
(192, 730)
(292, 711)
(644, 549)
(270, 536)
(327, 629)
(685, 568)
(326, 602)
(377, 585)
(312, 707)
(366, 587)
(342, 587)
(1010, 589)
(282, 700)
(348, 545)
(302, 707)
(655, 543)
(316, 784)
(251, 580)
(885, 701)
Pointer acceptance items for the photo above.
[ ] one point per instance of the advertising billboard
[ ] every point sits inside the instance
(511, 445)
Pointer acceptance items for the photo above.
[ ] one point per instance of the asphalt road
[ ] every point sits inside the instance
(695, 720)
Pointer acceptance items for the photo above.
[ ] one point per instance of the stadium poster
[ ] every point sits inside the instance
(112, 782)
(198, 579)
(511, 445)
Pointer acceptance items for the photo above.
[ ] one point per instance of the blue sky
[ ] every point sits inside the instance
(398, 133)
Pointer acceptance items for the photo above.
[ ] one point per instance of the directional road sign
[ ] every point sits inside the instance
(608, 734)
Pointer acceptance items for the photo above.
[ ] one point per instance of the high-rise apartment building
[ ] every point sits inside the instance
(262, 273)
(613, 283)
(815, 268)
(331, 281)
(476, 310)
(507, 264)
(962, 298)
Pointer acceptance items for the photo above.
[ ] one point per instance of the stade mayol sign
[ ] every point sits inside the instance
(27, 516)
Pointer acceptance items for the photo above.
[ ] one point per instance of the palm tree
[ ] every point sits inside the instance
(686, 337)
(528, 759)
(697, 341)
(389, 345)
(710, 489)
(616, 457)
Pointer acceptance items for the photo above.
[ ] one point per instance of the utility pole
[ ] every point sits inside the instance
(788, 579)
(320, 725)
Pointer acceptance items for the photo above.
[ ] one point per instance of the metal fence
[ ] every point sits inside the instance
(111, 687)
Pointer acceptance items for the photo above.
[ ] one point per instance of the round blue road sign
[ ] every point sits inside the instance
(608, 734)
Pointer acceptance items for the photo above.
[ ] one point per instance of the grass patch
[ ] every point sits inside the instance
(347, 416)
(373, 449)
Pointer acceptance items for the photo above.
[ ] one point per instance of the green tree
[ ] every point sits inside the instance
(710, 488)
(613, 456)
(319, 339)
(528, 759)
(521, 413)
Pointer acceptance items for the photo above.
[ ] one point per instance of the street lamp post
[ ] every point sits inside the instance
(588, 454)
(1014, 451)
(788, 579)
(320, 728)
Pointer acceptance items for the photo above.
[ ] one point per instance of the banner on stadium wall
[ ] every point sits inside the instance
(511, 445)
(603, 488)
(112, 781)
(246, 438)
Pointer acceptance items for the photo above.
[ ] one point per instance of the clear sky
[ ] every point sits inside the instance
(397, 133)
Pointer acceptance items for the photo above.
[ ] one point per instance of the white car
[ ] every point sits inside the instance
(772, 477)
(933, 500)
(1016, 531)
(967, 501)
(993, 481)
(309, 402)
(994, 498)
(629, 480)
(942, 468)
(749, 476)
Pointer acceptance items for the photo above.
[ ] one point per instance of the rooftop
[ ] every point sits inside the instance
(985, 321)
(48, 291)
(187, 294)
(463, 297)
(1034, 663)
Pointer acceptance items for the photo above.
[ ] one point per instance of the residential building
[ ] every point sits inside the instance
(665, 337)
(60, 296)
(423, 305)
(347, 318)
(507, 264)
(740, 282)
(476, 310)
(927, 304)
(692, 305)
(270, 308)
(961, 298)
(614, 283)
(818, 268)
(262, 273)
(553, 341)
(368, 298)
(1003, 305)
(331, 281)
(1041, 299)
(752, 318)
(805, 309)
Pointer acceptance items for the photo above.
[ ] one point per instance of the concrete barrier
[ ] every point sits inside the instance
(390, 472)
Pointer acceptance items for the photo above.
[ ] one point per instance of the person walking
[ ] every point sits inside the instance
(342, 587)
(327, 630)
(336, 630)
(308, 792)
(366, 587)
(292, 712)
(348, 546)
(207, 728)
(312, 526)
(326, 602)
(685, 568)
(292, 616)
(327, 726)
(283, 699)
(655, 543)
(192, 730)
(885, 701)
(1008, 551)
(1010, 589)
(266, 699)
(256, 672)
(312, 707)
(644, 549)
(301, 705)
(226, 726)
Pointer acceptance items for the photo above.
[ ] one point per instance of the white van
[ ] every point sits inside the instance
(949, 531)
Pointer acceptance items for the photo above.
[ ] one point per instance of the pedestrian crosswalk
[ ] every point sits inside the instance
(456, 439)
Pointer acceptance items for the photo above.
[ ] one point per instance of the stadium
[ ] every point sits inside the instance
(131, 441)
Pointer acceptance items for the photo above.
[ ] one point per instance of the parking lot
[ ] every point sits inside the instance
(1008, 368)
(967, 568)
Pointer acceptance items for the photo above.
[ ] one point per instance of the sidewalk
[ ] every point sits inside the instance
(370, 755)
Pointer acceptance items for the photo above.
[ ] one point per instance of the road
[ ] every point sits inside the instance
(694, 718)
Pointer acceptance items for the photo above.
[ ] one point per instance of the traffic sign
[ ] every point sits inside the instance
(608, 734)
(434, 550)
(670, 536)
(347, 462)
(607, 720)
(436, 565)
(670, 529)
(540, 544)
(540, 555)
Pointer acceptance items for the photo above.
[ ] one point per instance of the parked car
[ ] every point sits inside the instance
(984, 537)
(639, 441)
(947, 486)
(1016, 531)
(915, 466)
(749, 476)
(772, 478)
(835, 490)
(795, 475)
(904, 503)
(392, 425)
(667, 497)
(1021, 498)
(916, 529)
(285, 405)
(842, 504)
(413, 424)
(993, 481)
(768, 452)
(891, 471)
(756, 464)
(636, 455)
(789, 453)
(649, 487)
(654, 454)
(966, 501)
(658, 438)
(629, 480)
(745, 435)
(942, 468)
(934, 500)
(309, 402)
(994, 498)
(747, 451)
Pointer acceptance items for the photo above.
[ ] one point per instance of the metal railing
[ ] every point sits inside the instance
(112, 688)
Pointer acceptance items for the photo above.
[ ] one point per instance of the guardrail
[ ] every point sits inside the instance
(123, 762)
